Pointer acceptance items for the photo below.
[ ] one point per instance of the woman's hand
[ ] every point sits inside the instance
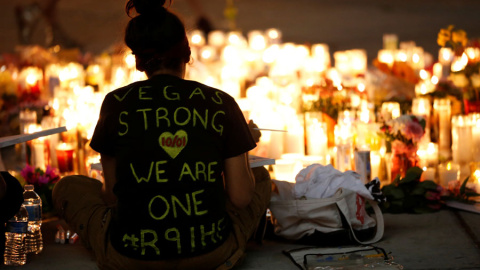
(256, 134)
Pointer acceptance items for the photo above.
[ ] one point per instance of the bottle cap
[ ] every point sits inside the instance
(29, 187)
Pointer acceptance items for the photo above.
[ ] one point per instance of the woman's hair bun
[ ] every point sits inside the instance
(143, 7)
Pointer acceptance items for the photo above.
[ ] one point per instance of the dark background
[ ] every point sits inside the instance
(342, 24)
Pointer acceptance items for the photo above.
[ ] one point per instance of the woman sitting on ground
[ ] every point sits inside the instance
(178, 191)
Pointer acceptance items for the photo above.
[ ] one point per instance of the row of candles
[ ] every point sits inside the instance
(228, 60)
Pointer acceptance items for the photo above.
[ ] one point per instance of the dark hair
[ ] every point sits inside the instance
(156, 36)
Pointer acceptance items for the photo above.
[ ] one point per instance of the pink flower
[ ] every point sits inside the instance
(432, 195)
(28, 173)
(414, 130)
(43, 180)
(52, 174)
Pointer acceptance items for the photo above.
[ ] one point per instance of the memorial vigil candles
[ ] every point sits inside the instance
(65, 157)
(475, 136)
(421, 107)
(442, 113)
(448, 172)
(462, 139)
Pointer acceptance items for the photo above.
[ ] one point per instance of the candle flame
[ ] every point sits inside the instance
(31, 79)
(423, 74)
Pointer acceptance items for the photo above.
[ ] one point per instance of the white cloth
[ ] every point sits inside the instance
(318, 181)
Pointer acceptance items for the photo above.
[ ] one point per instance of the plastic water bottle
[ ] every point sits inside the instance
(33, 204)
(15, 253)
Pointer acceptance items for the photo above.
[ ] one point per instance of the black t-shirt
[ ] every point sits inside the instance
(170, 138)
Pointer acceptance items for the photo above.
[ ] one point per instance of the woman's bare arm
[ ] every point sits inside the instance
(239, 180)
(108, 164)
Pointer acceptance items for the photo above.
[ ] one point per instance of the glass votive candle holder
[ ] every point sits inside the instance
(448, 172)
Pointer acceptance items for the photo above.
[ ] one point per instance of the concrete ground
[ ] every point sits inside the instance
(448, 239)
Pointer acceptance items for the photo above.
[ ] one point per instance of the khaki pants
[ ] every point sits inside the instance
(78, 200)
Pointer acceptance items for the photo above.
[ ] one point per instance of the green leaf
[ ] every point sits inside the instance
(428, 184)
(413, 174)
(393, 192)
(464, 185)
(418, 190)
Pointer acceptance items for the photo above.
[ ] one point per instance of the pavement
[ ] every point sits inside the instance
(447, 239)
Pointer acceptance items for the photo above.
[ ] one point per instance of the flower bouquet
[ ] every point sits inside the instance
(465, 71)
(402, 135)
(43, 182)
(410, 195)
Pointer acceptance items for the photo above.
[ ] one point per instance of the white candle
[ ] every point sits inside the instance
(432, 154)
(461, 139)
(428, 174)
(317, 141)
(445, 57)
(375, 160)
(475, 136)
(421, 107)
(390, 41)
(284, 170)
(197, 38)
(320, 52)
(256, 40)
(294, 141)
(216, 38)
(442, 111)
(38, 154)
(386, 56)
(448, 172)
(274, 36)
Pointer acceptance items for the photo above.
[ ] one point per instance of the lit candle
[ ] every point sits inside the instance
(343, 139)
(432, 154)
(461, 139)
(284, 169)
(445, 57)
(475, 175)
(256, 40)
(386, 57)
(473, 53)
(390, 41)
(437, 70)
(65, 154)
(320, 52)
(442, 112)
(448, 172)
(390, 110)
(317, 141)
(38, 153)
(459, 63)
(418, 58)
(421, 107)
(375, 161)
(208, 54)
(295, 136)
(216, 38)
(274, 36)
(428, 174)
(197, 38)
(475, 136)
